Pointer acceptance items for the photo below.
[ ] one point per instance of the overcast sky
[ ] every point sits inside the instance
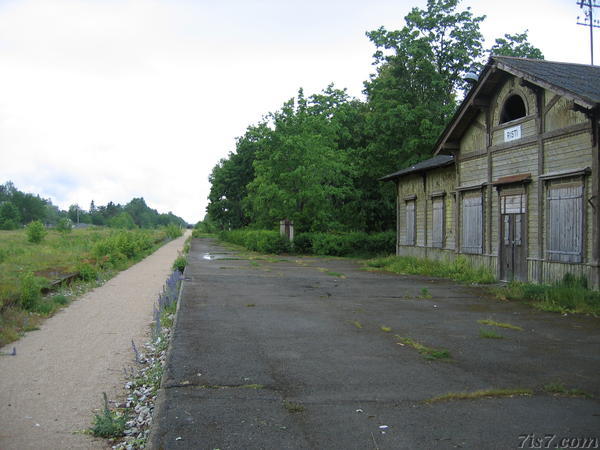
(107, 100)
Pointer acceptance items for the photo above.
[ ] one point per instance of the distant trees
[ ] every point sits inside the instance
(317, 160)
(18, 208)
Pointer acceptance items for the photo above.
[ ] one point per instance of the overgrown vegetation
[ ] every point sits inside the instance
(317, 160)
(570, 295)
(458, 269)
(262, 241)
(84, 257)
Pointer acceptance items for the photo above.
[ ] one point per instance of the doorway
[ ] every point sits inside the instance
(513, 237)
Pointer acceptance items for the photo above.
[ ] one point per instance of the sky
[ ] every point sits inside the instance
(108, 100)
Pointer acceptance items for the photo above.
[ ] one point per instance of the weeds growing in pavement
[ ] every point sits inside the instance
(493, 323)
(109, 424)
(484, 393)
(427, 352)
(489, 334)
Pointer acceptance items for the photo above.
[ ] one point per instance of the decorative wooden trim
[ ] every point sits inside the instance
(565, 174)
(437, 194)
(409, 198)
(512, 123)
(472, 187)
(551, 103)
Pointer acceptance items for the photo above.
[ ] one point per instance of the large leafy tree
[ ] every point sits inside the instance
(516, 45)
(300, 174)
(230, 177)
(413, 93)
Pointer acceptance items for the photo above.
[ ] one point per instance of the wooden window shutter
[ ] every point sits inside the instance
(410, 223)
(472, 224)
(565, 223)
(437, 219)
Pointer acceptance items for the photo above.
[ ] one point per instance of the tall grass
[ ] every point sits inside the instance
(570, 295)
(458, 269)
(26, 268)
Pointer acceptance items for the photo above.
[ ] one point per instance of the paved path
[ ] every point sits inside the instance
(49, 390)
(290, 354)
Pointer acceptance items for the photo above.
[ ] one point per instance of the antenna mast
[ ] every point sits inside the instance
(589, 21)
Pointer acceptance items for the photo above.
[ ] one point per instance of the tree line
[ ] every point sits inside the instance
(18, 208)
(317, 160)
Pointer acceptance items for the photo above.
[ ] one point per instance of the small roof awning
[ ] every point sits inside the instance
(512, 179)
(423, 166)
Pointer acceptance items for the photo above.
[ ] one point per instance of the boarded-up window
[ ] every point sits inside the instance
(410, 223)
(565, 223)
(472, 223)
(437, 222)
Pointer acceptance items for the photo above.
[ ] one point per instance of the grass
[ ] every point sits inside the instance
(485, 393)
(385, 329)
(428, 352)
(489, 334)
(293, 407)
(458, 270)
(26, 268)
(357, 324)
(570, 295)
(493, 323)
(425, 293)
(560, 389)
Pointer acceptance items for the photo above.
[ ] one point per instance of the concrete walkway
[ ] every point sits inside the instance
(305, 353)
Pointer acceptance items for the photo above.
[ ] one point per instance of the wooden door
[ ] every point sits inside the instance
(513, 244)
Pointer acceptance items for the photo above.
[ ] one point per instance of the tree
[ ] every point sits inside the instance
(122, 220)
(230, 177)
(9, 216)
(515, 45)
(36, 232)
(412, 96)
(300, 174)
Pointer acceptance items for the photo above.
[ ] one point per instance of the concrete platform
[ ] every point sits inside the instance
(290, 353)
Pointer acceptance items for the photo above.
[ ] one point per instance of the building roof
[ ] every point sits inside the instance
(580, 80)
(423, 166)
(579, 83)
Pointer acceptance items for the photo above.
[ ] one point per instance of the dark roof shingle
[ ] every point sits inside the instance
(582, 80)
(423, 166)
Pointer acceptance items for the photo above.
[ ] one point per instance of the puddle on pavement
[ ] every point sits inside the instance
(215, 256)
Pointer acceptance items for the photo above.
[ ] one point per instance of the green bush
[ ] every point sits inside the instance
(180, 263)
(87, 272)
(30, 291)
(121, 246)
(263, 241)
(64, 225)
(173, 231)
(36, 231)
(345, 244)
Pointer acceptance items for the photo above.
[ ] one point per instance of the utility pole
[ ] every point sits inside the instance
(589, 21)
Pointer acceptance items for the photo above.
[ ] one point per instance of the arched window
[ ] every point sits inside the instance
(514, 108)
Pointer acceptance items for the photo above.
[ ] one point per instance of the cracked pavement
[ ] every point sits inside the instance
(289, 353)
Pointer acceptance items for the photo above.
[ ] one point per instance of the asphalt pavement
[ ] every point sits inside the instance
(315, 353)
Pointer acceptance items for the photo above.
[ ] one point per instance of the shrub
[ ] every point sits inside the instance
(30, 291)
(345, 244)
(87, 272)
(180, 263)
(109, 424)
(36, 231)
(173, 231)
(263, 241)
(64, 225)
